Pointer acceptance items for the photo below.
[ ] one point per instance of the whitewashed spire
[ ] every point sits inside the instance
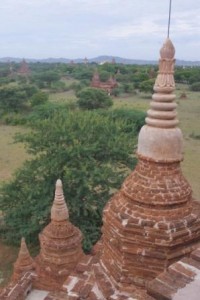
(160, 139)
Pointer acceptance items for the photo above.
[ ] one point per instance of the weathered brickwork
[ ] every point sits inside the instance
(177, 278)
(24, 262)
(148, 224)
(60, 244)
(151, 222)
(19, 290)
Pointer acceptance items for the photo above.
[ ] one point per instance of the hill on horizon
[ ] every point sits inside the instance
(99, 59)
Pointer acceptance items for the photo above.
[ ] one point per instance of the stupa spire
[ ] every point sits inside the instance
(59, 210)
(162, 113)
(24, 262)
(146, 225)
(160, 139)
(60, 246)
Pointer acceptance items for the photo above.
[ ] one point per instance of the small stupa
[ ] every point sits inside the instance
(60, 243)
(24, 262)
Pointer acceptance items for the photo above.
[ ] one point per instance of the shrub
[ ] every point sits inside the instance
(92, 98)
(12, 99)
(147, 86)
(195, 87)
(39, 98)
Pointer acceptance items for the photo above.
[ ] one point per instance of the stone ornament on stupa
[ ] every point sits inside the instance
(152, 221)
(161, 139)
(60, 243)
(24, 262)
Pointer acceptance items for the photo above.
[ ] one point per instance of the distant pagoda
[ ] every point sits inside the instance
(24, 69)
(107, 86)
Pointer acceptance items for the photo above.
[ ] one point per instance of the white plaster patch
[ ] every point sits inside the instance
(191, 290)
(70, 286)
(156, 226)
(37, 295)
(97, 292)
(12, 289)
(125, 222)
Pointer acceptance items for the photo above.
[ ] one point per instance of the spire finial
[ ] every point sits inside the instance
(59, 210)
(23, 252)
(163, 108)
(160, 139)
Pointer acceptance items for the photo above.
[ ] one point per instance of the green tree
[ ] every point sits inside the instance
(39, 98)
(12, 99)
(195, 87)
(92, 98)
(90, 151)
(82, 72)
(29, 89)
(104, 75)
(45, 78)
(128, 87)
(147, 86)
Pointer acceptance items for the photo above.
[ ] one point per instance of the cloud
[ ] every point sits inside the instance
(94, 27)
(130, 31)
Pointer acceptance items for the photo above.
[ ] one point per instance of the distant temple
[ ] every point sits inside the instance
(85, 61)
(107, 86)
(150, 244)
(24, 69)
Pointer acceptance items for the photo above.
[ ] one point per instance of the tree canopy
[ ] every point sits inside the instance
(90, 151)
(92, 98)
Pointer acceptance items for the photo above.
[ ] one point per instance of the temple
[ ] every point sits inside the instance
(150, 244)
(107, 86)
(24, 69)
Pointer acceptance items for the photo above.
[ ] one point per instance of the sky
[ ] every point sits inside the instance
(88, 28)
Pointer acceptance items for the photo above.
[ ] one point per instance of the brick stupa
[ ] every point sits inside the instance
(24, 262)
(61, 247)
(24, 69)
(107, 86)
(152, 222)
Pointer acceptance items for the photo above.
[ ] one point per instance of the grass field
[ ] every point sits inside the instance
(11, 155)
(189, 113)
